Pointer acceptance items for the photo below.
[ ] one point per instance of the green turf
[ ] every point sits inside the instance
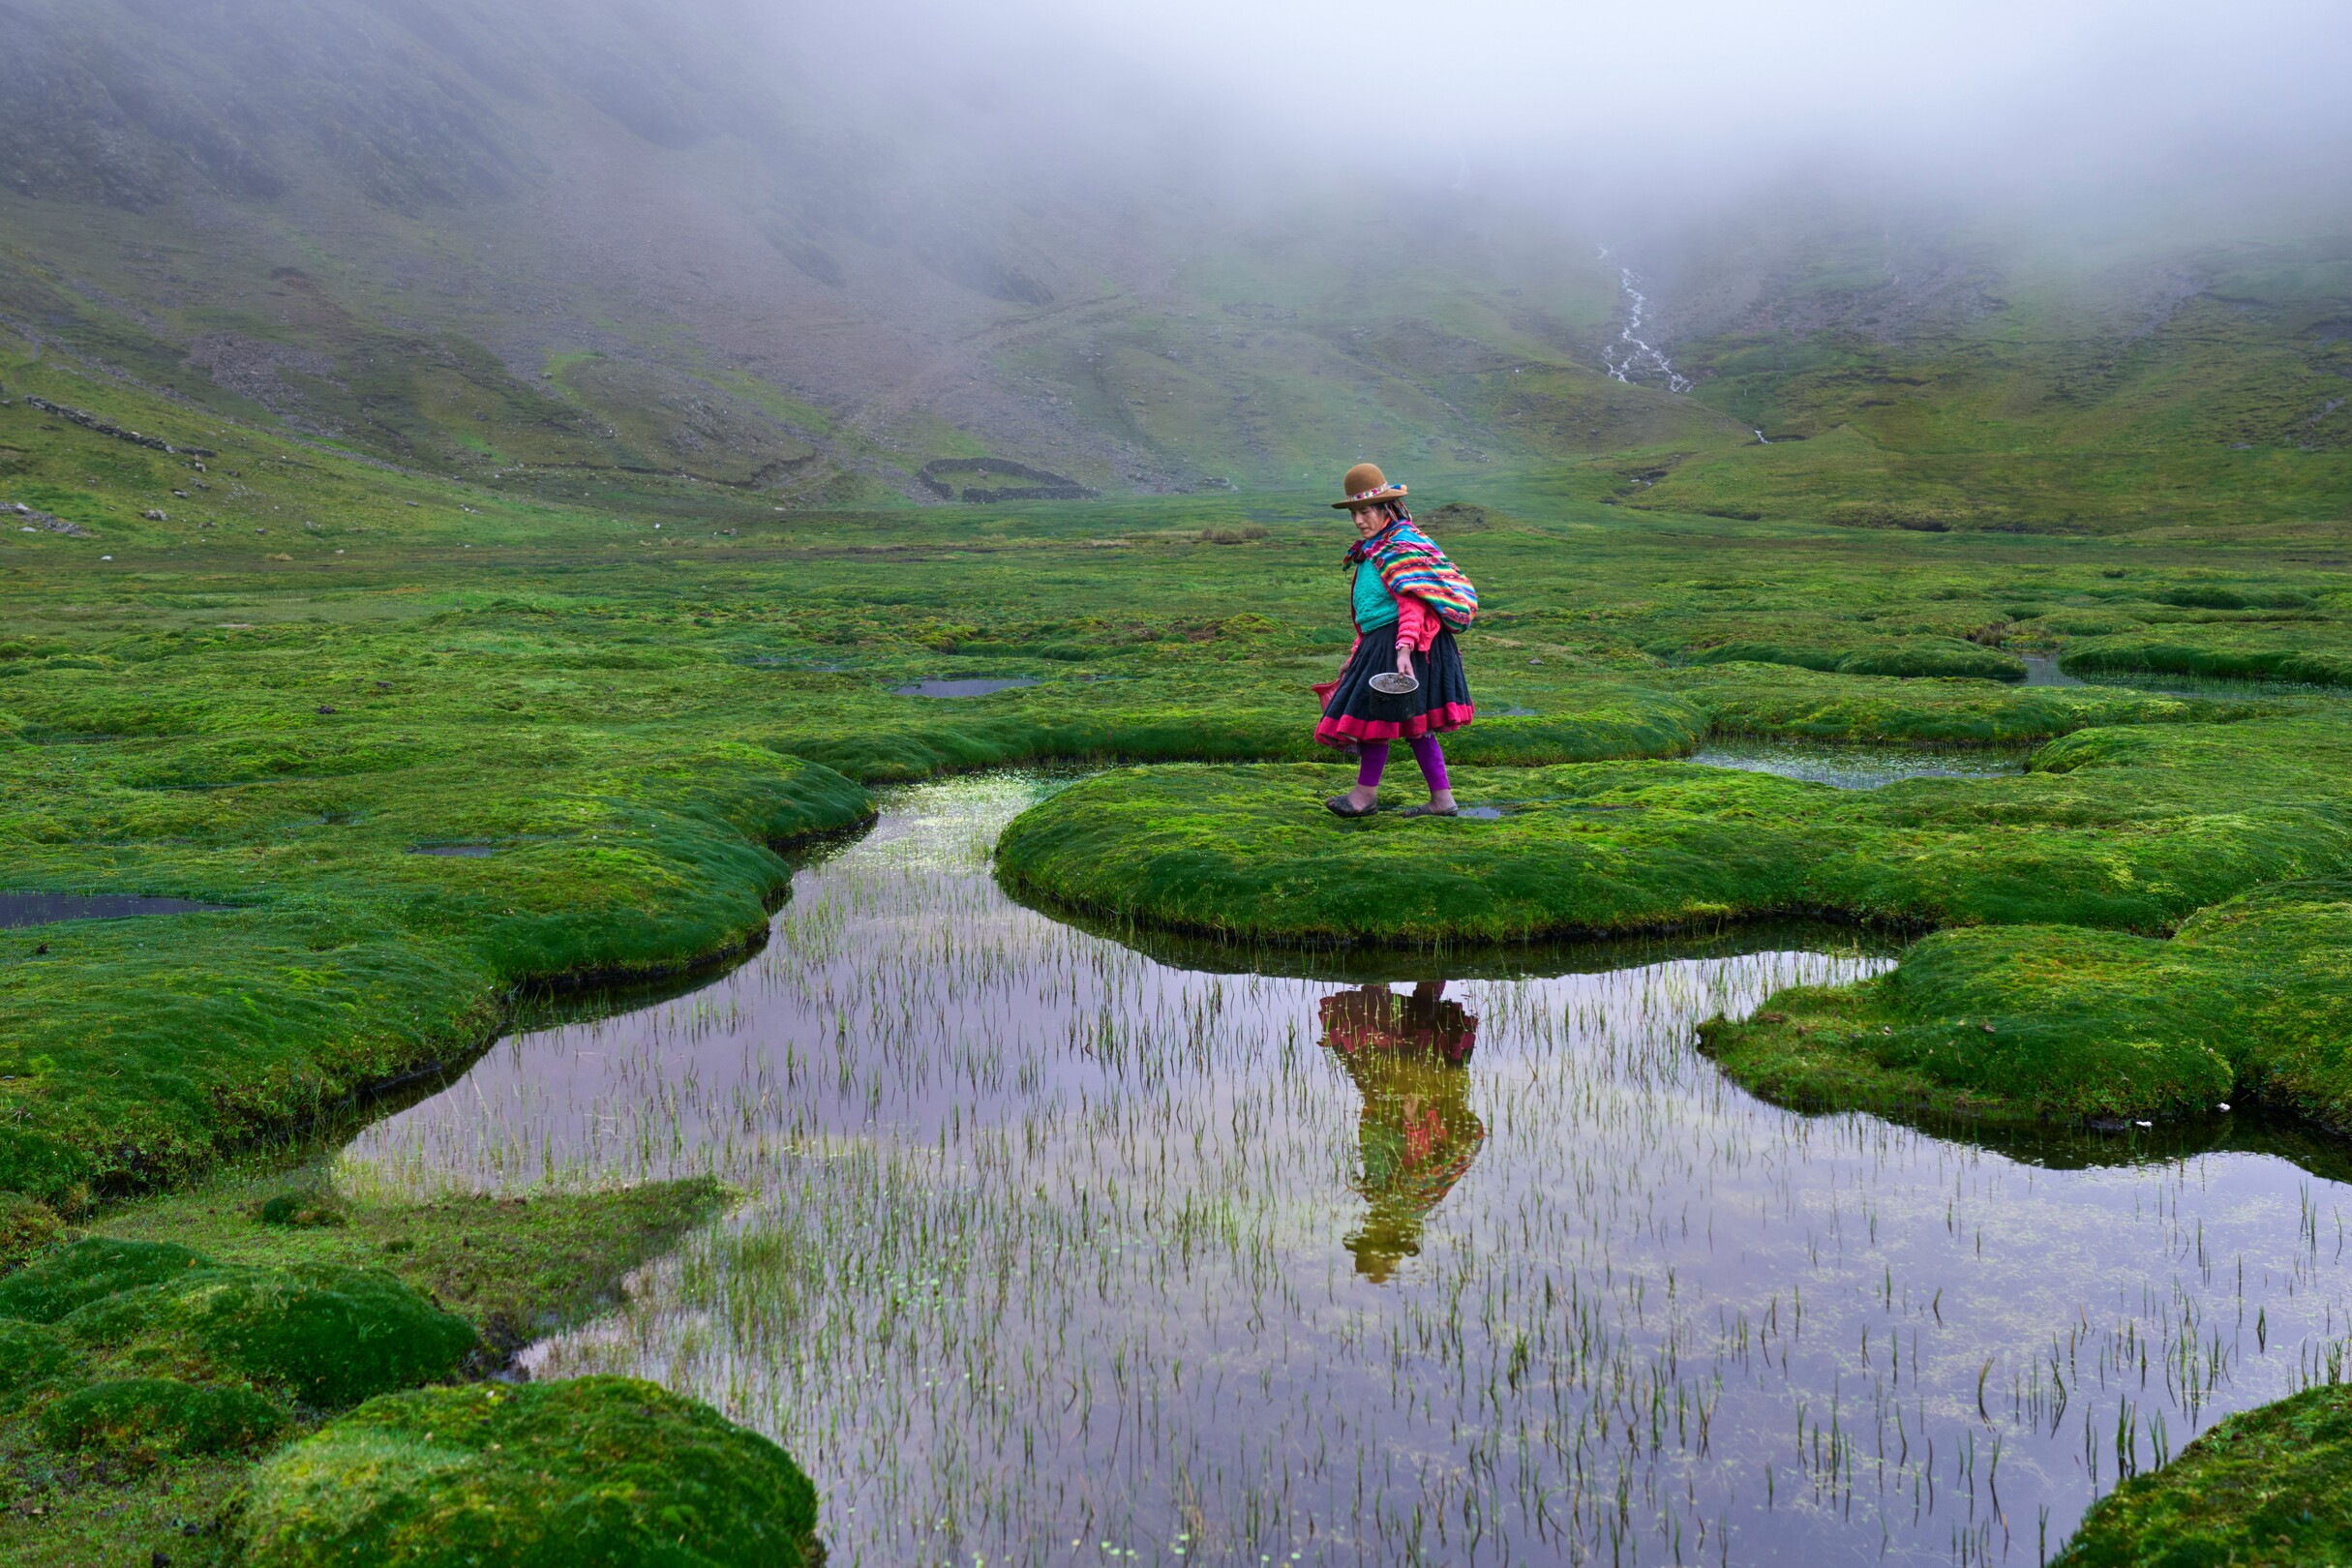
(2249, 1003)
(134, 1390)
(593, 1471)
(2126, 829)
(626, 717)
(325, 1335)
(149, 1417)
(2269, 1488)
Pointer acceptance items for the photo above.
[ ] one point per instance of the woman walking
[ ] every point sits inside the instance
(1409, 600)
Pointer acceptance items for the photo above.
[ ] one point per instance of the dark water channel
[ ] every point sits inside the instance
(1057, 1251)
(43, 908)
(969, 686)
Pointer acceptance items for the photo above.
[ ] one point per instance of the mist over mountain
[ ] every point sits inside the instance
(905, 252)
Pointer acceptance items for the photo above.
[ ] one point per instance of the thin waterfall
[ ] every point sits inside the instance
(1631, 354)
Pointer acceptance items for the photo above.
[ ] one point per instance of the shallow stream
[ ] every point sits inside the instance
(1055, 1251)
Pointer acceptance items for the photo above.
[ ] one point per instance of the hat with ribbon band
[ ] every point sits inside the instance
(1366, 486)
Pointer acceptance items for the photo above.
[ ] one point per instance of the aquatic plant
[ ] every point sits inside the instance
(1047, 1240)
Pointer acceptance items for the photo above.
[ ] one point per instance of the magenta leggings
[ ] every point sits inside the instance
(1426, 751)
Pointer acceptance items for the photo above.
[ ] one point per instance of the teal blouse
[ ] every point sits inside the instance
(1375, 605)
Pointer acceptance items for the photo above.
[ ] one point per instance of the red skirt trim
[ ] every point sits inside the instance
(1346, 730)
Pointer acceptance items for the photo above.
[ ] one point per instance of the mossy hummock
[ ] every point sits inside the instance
(2056, 995)
(2124, 829)
(605, 1472)
(2249, 1003)
(139, 1378)
(354, 963)
(327, 1336)
(2269, 1488)
(323, 1334)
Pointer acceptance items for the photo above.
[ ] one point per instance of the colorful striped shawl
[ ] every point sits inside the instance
(1409, 561)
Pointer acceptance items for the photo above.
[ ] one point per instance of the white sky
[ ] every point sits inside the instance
(2069, 89)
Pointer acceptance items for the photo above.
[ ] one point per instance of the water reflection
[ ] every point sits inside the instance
(1410, 1057)
(1053, 1248)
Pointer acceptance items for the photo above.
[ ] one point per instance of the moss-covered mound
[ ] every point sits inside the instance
(27, 1226)
(2049, 995)
(595, 1471)
(2251, 1001)
(89, 1271)
(329, 1336)
(115, 1441)
(2266, 1489)
(2215, 656)
(2116, 828)
(350, 960)
(144, 1416)
(1791, 703)
(32, 1353)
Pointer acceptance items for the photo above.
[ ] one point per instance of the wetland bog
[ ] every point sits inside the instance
(658, 705)
(1055, 1251)
(1062, 1232)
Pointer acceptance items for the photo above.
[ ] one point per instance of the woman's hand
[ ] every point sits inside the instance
(1404, 658)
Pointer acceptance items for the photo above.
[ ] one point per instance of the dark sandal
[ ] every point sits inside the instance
(1429, 811)
(1339, 808)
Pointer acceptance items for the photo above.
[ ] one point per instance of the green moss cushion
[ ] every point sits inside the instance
(2250, 999)
(2260, 654)
(2120, 828)
(2268, 1489)
(31, 1353)
(148, 1415)
(89, 1271)
(596, 1472)
(329, 1336)
(27, 1227)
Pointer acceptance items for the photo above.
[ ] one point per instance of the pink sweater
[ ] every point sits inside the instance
(1416, 622)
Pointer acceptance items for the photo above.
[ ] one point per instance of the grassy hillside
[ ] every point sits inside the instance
(652, 243)
(1993, 383)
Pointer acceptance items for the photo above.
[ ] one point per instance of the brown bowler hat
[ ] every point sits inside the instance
(1366, 486)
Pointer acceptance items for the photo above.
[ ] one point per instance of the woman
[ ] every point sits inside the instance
(1407, 598)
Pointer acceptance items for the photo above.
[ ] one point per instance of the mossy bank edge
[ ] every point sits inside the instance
(2148, 920)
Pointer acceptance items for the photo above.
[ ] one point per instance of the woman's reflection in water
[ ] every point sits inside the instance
(1409, 1056)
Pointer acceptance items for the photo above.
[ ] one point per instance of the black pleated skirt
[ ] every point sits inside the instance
(1355, 712)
